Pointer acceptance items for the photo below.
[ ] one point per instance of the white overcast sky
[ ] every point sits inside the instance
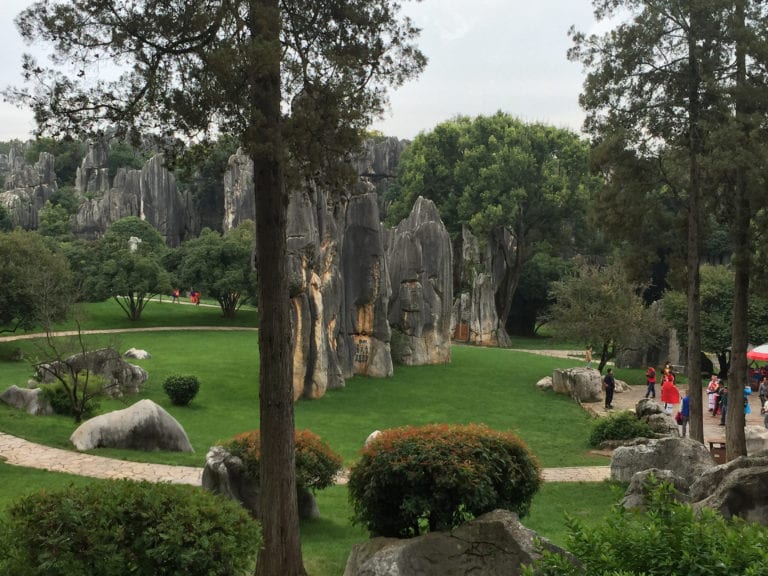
(484, 56)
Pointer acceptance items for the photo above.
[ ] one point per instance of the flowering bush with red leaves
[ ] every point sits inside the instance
(316, 464)
(415, 479)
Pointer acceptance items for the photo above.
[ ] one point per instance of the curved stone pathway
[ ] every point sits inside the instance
(19, 452)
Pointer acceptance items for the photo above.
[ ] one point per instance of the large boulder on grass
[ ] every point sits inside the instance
(685, 457)
(582, 384)
(31, 400)
(494, 543)
(738, 488)
(143, 426)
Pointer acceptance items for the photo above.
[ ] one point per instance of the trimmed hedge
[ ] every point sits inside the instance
(120, 527)
(415, 479)
(181, 389)
(621, 426)
(316, 463)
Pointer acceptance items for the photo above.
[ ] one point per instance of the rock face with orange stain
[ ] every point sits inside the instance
(421, 275)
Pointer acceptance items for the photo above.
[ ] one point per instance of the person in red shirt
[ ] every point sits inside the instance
(650, 379)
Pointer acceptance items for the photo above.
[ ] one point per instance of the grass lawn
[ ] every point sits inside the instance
(490, 386)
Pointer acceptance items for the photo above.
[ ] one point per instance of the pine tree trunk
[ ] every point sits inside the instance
(736, 444)
(281, 553)
(694, 241)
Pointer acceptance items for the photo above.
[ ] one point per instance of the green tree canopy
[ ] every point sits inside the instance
(35, 282)
(497, 171)
(220, 266)
(600, 307)
(67, 152)
(129, 266)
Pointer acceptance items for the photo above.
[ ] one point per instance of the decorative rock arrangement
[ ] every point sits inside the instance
(30, 400)
(143, 426)
(494, 543)
(120, 377)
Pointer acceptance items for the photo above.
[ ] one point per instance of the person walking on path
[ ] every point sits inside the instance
(685, 412)
(588, 356)
(609, 385)
(762, 392)
(650, 380)
(670, 395)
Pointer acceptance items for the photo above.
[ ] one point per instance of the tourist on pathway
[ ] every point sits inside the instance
(762, 391)
(714, 384)
(176, 295)
(685, 412)
(609, 385)
(670, 395)
(650, 380)
(588, 356)
(723, 404)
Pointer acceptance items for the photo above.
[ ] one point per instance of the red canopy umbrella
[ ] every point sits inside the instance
(759, 353)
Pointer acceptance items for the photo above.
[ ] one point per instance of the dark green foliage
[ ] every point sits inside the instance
(181, 389)
(121, 528)
(316, 464)
(6, 224)
(67, 154)
(668, 538)
(435, 477)
(123, 155)
(621, 426)
(61, 402)
(36, 282)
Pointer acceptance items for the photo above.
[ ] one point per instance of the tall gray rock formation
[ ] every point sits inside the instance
(27, 187)
(377, 163)
(421, 275)
(239, 202)
(149, 194)
(480, 281)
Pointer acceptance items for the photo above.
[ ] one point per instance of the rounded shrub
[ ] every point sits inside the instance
(121, 527)
(316, 463)
(413, 479)
(181, 389)
(621, 426)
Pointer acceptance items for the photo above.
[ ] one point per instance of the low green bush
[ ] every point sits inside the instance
(413, 479)
(316, 464)
(667, 538)
(121, 527)
(181, 389)
(621, 426)
(61, 402)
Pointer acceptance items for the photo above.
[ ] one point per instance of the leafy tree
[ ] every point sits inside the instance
(130, 275)
(532, 297)
(67, 152)
(220, 266)
(717, 289)
(280, 76)
(35, 282)
(6, 225)
(123, 155)
(599, 306)
(54, 222)
(66, 197)
(496, 171)
(650, 90)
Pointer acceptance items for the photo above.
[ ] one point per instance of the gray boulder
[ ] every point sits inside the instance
(494, 544)
(31, 400)
(686, 458)
(225, 474)
(137, 354)
(421, 276)
(143, 426)
(120, 377)
(711, 478)
(583, 384)
(742, 491)
(648, 407)
(757, 439)
(663, 425)
(634, 497)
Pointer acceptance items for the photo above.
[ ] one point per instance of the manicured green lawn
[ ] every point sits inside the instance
(494, 387)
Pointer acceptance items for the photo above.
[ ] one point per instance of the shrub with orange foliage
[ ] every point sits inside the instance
(415, 479)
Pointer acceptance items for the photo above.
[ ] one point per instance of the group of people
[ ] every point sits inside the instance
(194, 296)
